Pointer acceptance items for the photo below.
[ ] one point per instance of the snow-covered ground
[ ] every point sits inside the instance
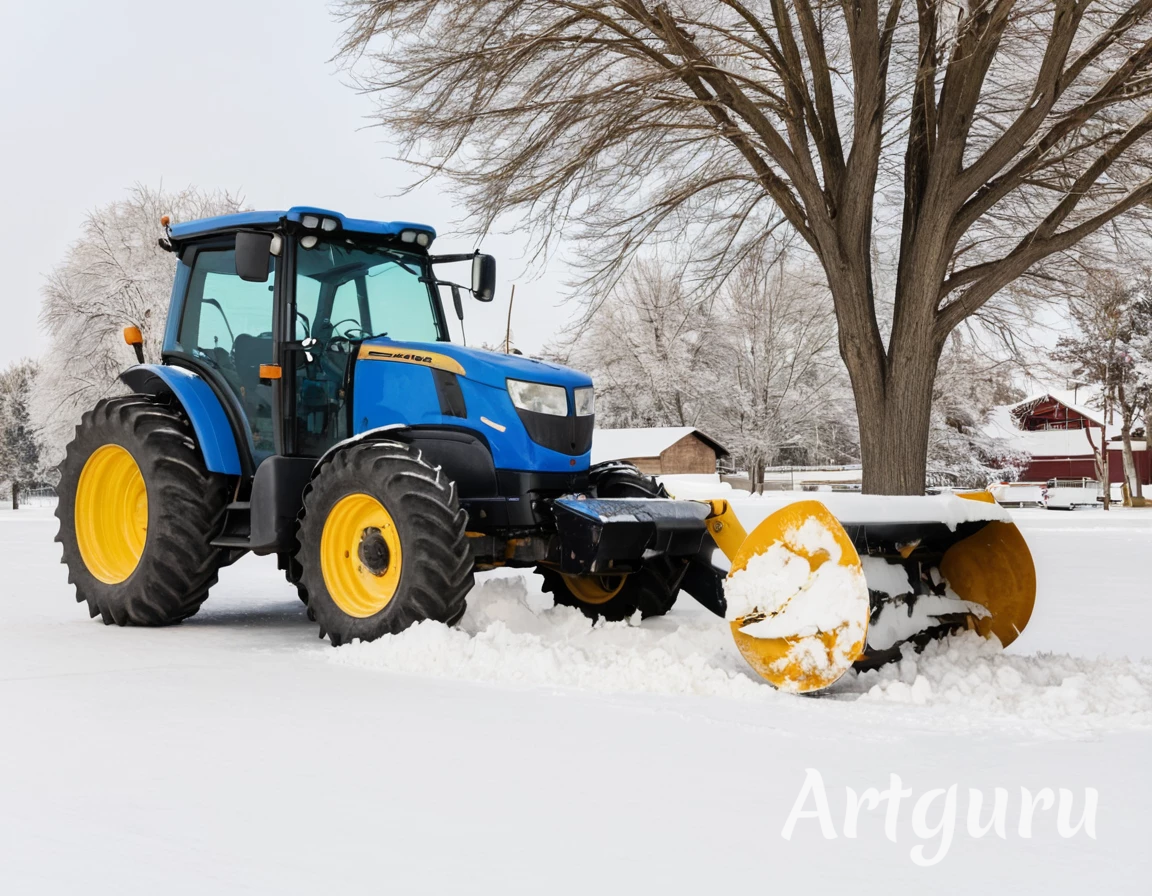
(526, 751)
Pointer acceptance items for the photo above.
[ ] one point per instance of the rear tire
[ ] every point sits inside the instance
(652, 590)
(146, 561)
(382, 544)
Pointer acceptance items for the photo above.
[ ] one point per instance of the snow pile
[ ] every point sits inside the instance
(904, 614)
(799, 603)
(506, 637)
(512, 636)
(976, 677)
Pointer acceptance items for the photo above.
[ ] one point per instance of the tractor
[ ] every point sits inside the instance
(309, 404)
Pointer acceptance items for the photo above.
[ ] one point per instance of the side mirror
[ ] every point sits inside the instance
(484, 277)
(253, 256)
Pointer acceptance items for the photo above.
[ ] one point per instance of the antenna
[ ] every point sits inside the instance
(508, 329)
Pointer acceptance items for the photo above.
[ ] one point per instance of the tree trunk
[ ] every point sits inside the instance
(1147, 441)
(894, 410)
(15, 495)
(1131, 479)
(894, 437)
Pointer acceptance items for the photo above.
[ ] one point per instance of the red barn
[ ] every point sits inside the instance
(1055, 432)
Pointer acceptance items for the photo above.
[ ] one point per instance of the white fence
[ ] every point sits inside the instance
(29, 497)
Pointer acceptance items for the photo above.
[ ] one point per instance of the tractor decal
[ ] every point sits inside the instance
(428, 359)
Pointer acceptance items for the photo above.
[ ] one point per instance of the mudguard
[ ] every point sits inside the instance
(209, 421)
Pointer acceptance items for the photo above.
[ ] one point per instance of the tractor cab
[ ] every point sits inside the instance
(273, 307)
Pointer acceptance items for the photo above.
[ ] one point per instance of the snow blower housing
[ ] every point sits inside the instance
(309, 404)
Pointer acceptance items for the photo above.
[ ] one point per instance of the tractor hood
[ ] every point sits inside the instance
(488, 368)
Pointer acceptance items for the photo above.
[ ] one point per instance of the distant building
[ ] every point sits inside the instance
(1054, 430)
(660, 450)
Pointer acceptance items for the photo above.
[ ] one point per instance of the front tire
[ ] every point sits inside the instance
(138, 510)
(383, 544)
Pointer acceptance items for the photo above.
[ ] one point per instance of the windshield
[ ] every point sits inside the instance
(344, 290)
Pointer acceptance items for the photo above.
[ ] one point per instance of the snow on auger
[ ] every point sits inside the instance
(310, 405)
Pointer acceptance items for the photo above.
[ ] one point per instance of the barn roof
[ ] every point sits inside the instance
(1002, 424)
(649, 441)
(1063, 397)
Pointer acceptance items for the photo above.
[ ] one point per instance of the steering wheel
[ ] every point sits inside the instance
(307, 323)
(347, 320)
(350, 335)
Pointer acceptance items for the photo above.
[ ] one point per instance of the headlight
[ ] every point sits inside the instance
(585, 402)
(539, 398)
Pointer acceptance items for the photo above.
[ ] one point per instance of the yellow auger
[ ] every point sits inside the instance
(812, 593)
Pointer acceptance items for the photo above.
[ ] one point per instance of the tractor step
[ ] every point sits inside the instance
(230, 541)
(236, 531)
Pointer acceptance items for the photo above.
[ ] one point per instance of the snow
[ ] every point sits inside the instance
(851, 508)
(236, 753)
(900, 619)
(1051, 442)
(1069, 398)
(1039, 443)
(622, 444)
(799, 602)
(980, 683)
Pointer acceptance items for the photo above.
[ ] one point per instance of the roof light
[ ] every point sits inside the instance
(310, 222)
(423, 239)
(407, 236)
(309, 241)
(329, 224)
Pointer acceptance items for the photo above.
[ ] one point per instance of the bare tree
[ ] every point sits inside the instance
(20, 445)
(783, 379)
(976, 139)
(1110, 318)
(755, 365)
(970, 383)
(113, 276)
(650, 347)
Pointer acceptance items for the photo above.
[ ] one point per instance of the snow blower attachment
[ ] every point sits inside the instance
(812, 593)
(384, 470)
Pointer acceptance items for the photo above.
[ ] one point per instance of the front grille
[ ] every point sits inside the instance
(569, 435)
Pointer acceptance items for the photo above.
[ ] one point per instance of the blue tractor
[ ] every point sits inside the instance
(309, 404)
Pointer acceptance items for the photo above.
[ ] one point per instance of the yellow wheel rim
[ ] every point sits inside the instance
(111, 514)
(594, 590)
(360, 555)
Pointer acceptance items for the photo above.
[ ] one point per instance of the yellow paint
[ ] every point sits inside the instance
(725, 529)
(354, 588)
(984, 497)
(765, 655)
(111, 514)
(994, 568)
(410, 356)
(594, 590)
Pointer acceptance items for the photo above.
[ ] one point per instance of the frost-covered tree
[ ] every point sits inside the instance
(652, 348)
(1112, 319)
(754, 365)
(20, 448)
(971, 383)
(113, 276)
(783, 378)
(975, 140)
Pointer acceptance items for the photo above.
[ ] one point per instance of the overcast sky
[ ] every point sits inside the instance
(239, 95)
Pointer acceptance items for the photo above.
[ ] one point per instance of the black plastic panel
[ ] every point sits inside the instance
(569, 435)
